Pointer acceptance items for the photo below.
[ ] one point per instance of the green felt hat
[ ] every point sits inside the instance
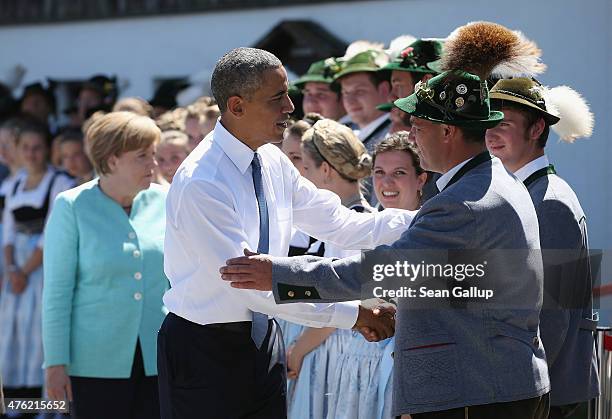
(523, 91)
(454, 98)
(416, 56)
(367, 61)
(385, 107)
(320, 72)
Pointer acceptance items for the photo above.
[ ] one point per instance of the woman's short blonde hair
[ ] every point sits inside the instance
(116, 133)
(337, 145)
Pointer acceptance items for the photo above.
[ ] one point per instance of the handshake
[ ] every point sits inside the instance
(377, 323)
(254, 271)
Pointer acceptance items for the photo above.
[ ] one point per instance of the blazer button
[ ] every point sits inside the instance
(536, 341)
(291, 294)
(131, 235)
(137, 296)
(308, 293)
(136, 253)
(137, 276)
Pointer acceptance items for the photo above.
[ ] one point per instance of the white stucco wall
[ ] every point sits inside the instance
(575, 36)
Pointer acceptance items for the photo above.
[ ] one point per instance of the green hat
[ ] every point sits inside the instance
(416, 57)
(319, 72)
(385, 107)
(523, 91)
(454, 98)
(367, 61)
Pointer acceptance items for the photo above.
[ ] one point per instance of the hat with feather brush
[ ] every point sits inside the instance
(562, 108)
(472, 53)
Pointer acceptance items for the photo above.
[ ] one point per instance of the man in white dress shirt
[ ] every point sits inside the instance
(235, 192)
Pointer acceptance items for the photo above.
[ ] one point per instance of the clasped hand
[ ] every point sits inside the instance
(254, 271)
(377, 323)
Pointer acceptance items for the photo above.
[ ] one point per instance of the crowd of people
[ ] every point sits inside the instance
(115, 226)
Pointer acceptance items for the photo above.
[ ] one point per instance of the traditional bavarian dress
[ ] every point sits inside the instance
(25, 212)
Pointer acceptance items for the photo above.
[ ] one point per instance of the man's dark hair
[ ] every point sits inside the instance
(240, 73)
(531, 117)
(473, 134)
(379, 77)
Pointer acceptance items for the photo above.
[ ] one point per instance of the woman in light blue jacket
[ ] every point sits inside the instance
(104, 278)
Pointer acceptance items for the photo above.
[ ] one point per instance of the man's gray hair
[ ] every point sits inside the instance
(240, 73)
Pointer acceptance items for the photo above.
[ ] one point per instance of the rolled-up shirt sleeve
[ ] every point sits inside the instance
(319, 213)
(210, 234)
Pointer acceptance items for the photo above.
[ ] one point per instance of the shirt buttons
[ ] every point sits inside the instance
(136, 253)
(137, 276)
(536, 341)
(137, 296)
(291, 294)
(131, 235)
(307, 293)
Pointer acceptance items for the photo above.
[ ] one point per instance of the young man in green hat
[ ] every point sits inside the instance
(463, 359)
(404, 71)
(363, 88)
(409, 67)
(566, 326)
(318, 94)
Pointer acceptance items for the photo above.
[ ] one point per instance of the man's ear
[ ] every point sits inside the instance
(448, 132)
(536, 129)
(236, 106)
(384, 89)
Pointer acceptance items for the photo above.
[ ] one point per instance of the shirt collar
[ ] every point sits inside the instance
(530, 168)
(345, 120)
(369, 129)
(238, 152)
(446, 177)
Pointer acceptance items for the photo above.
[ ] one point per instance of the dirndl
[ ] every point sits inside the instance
(21, 354)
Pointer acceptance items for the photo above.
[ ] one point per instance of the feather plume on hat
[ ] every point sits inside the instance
(399, 44)
(360, 46)
(485, 49)
(577, 120)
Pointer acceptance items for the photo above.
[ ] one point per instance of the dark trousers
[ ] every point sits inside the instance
(216, 371)
(118, 398)
(535, 408)
(563, 412)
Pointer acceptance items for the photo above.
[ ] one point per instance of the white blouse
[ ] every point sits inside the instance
(35, 198)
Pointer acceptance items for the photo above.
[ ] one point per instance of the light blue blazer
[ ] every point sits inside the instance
(104, 281)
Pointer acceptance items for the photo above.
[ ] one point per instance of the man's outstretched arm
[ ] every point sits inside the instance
(297, 279)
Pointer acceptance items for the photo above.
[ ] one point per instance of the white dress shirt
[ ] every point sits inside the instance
(446, 177)
(212, 215)
(530, 168)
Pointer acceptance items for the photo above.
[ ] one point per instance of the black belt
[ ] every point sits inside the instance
(231, 327)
